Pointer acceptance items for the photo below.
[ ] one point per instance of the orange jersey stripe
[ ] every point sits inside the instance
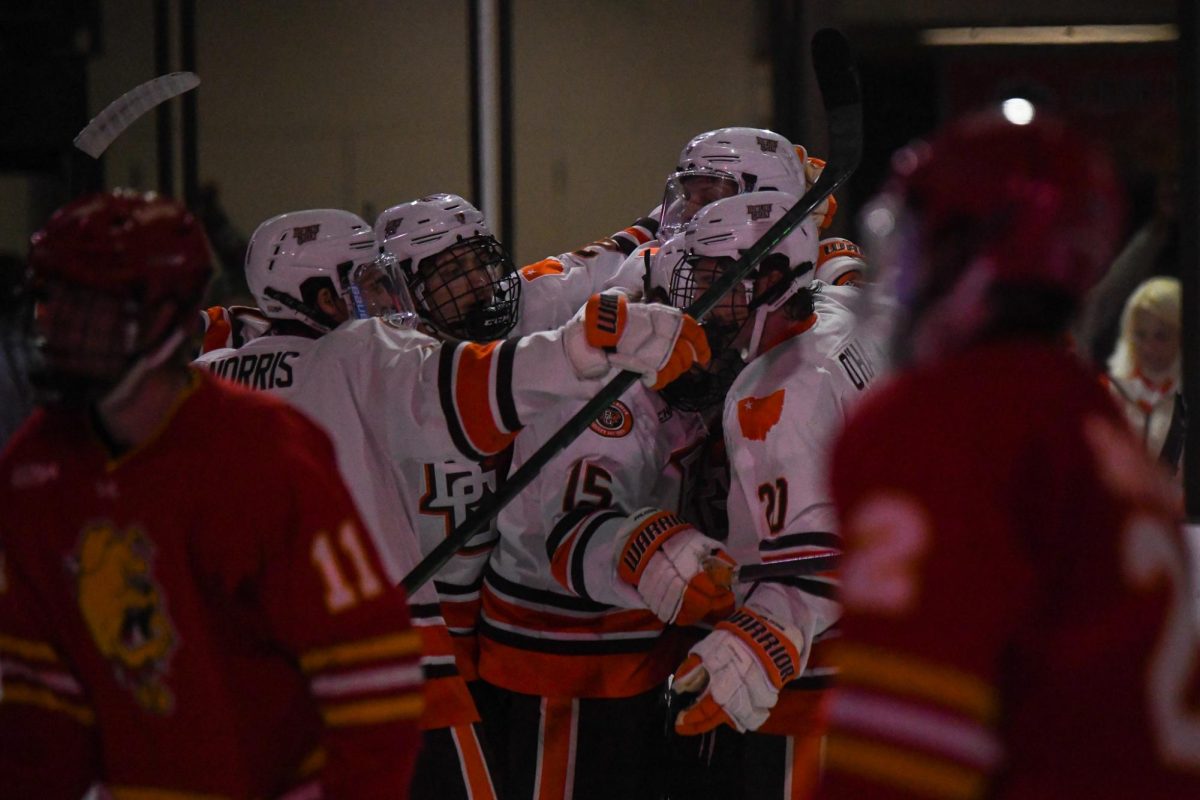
(540, 269)
(589, 675)
(803, 766)
(218, 332)
(472, 397)
(448, 703)
(556, 749)
(474, 769)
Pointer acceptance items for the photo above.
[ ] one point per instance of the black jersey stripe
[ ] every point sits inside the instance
(504, 386)
(563, 528)
(577, 576)
(806, 539)
(541, 596)
(638, 644)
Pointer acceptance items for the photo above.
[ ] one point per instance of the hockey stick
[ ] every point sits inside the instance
(840, 94)
(118, 115)
(723, 574)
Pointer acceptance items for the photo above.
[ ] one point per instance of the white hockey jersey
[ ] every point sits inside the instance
(780, 419)
(398, 405)
(552, 624)
(553, 289)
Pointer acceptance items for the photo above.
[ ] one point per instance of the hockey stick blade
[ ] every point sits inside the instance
(118, 115)
(844, 116)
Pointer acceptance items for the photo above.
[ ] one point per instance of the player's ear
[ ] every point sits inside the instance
(330, 303)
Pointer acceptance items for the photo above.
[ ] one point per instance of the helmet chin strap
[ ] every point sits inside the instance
(763, 306)
(121, 392)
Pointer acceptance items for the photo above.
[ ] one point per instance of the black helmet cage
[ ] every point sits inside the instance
(471, 290)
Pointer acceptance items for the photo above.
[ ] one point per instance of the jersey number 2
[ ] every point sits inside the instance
(775, 497)
(1149, 556)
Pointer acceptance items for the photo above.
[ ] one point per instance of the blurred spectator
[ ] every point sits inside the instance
(1143, 371)
(15, 403)
(1148, 252)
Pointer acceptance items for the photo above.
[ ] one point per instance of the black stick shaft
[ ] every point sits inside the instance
(790, 568)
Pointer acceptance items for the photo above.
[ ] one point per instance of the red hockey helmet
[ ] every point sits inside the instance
(1039, 203)
(116, 277)
(989, 206)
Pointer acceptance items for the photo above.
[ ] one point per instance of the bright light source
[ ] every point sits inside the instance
(1017, 110)
(1051, 34)
(880, 221)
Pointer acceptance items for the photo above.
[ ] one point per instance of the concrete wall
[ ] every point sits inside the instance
(361, 104)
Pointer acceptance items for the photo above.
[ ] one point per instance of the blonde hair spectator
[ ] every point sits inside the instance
(1143, 371)
(1149, 340)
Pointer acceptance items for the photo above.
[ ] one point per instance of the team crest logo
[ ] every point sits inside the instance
(392, 225)
(303, 234)
(123, 607)
(767, 145)
(760, 211)
(614, 422)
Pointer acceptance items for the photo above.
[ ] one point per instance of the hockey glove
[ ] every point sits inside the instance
(658, 341)
(737, 670)
(664, 558)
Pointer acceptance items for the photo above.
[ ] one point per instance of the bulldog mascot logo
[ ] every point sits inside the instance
(123, 608)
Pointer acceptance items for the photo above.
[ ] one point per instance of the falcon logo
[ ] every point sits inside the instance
(123, 607)
(767, 145)
(304, 234)
(757, 212)
(392, 225)
(614, 422)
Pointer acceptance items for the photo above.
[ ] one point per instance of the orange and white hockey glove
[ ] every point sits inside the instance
(664, 558)
(737, 671)
(827, 209)
(659, 341)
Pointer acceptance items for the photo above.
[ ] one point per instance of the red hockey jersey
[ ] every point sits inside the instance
(1018, 616)
(203, 615)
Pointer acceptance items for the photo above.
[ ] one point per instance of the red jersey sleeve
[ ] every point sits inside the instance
(48, 742)
(327, 601)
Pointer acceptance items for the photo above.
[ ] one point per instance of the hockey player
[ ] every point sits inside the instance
(781, 410)
(463, 283)
(400, 403)
(572, 659)
(721, 163)
(175, 622)
(1020, 621)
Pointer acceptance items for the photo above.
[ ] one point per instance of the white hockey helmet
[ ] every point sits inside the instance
(725, 162)
(461, 280)
(840, 262)
(660, 266)
(292, 256)
(721, 232)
